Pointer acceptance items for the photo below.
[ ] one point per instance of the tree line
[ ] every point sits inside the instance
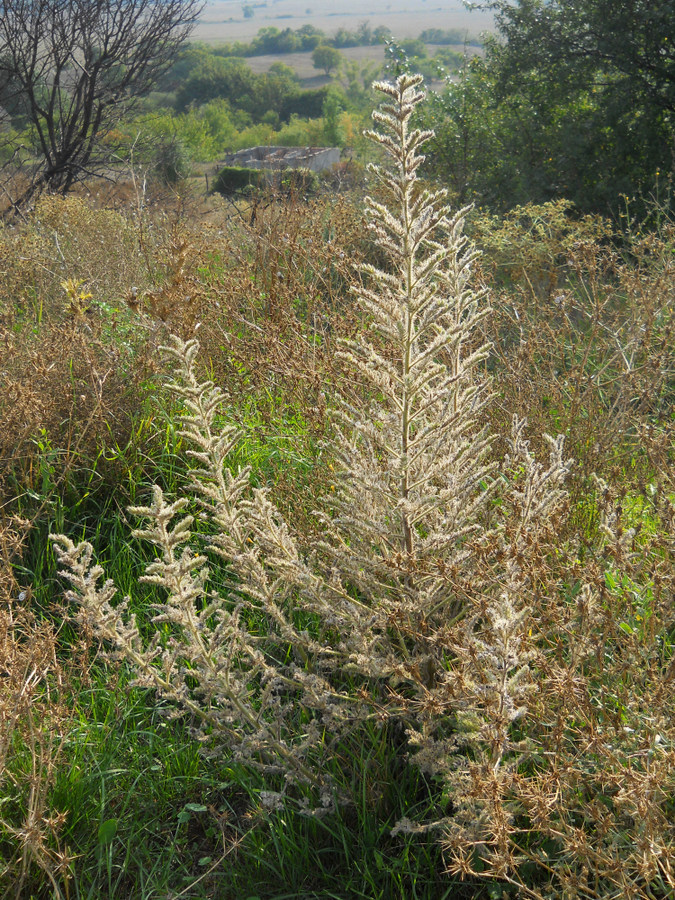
(573, 99)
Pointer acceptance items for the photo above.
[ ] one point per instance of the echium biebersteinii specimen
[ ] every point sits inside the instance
(414, 456)
(409, 591)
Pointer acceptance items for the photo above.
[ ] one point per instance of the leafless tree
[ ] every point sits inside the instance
(70, 69)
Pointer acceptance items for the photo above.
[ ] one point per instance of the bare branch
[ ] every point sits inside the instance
(72, 68)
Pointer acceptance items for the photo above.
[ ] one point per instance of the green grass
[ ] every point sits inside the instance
(149, 816)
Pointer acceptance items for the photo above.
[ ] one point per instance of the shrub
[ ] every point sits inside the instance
(172, 161)
(235, 180)
(583, 330)
(299, 181)
(347, 175)
(403, 507)
(72, 358)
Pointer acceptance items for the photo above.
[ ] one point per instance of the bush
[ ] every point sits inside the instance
(308, 104)
(299, 181)
(237, 179)
(172, 161)
(346, 175)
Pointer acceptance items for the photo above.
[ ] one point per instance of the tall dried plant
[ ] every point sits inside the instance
(412, 484)
(424, 600)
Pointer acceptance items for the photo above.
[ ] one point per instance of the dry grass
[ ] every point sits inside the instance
(70, 366)
(583, 334)
(91, 292)
(35, 699)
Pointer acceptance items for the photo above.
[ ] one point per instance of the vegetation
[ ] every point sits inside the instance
(326, 58)
(449, 36)
(396, 619)
(235, 179)
(71, 71)
(206, 103)
(573, 100)
(274, 41)
(453, 680)
(588, 42)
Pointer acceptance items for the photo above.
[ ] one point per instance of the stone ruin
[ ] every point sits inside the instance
(314, 158)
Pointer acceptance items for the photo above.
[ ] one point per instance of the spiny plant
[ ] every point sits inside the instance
(422, 601)
(34, 721)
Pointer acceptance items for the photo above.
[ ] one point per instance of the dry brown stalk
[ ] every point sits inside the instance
(33, 727)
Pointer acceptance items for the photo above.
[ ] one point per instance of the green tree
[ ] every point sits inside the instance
(274, 90)
(344, 38)
(365, 33)
(326, 58)
(217, 120)
(271, 40)
(189, 58)
(381, 34)
(591, 86)
(214, 77)
(491, 153)
(307, 103)
(628, 46)
(310, 37)
(333, 105)
(413, 47)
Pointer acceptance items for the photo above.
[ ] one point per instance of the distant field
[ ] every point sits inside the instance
(302, 64)
(223, 20)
